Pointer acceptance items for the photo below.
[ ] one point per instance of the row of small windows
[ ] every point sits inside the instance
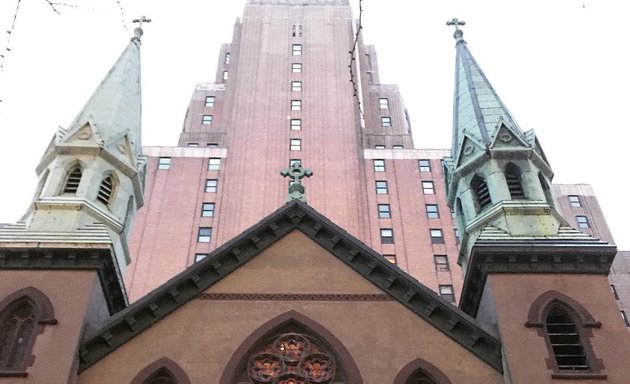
(214, 163)
(481, 191)
(384, 211)
(105, 191)
(387, 236)
(428, 187)
(395, 146)
(379, 164)
(209, 145)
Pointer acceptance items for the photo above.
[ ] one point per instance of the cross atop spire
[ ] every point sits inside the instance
(138, 32)
(458, 35)
(296, 173)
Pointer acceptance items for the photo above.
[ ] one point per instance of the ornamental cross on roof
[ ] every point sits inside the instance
(458, 32)
(296, 173)
(138, 32)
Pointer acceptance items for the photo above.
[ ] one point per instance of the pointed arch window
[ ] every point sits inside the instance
(161, 376)
(545, 187)
(480, 189)
(162, 371)
(421, 372)
(22, 315)
(565, 341)
(514, 183)
(73, 180)
(106, 190)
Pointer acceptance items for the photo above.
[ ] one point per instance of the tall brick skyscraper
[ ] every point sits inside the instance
(283, 92)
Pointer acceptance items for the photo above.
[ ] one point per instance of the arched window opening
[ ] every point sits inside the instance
(514, 183)
(291, 355)
(420, 377)
(481, 191)
(161, 376)
(74, 178)
(105, 191)
(565, 341)
(17, 331)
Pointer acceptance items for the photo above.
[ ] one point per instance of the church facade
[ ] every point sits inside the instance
(296, 292)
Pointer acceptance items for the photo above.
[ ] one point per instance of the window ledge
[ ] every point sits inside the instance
(579, 376)
(7, 373)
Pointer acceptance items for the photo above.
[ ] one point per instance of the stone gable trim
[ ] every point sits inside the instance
(99, 259)
(553, 256)
(294, 297)
(186, 286)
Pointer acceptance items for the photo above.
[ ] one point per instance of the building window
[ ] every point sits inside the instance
(390, 258)
(295, 145)
(514, 182)
(213, 145)
(106, 190)
(441, 263)
(432, 211)
(428, 188)
(614, 291)
(296, 49)
(384, 211)
(381, 187)
(575, 201)
(379, 165)
(193, 145)
(164, 163)
(225, 75)
(424, 165)
(211, 185)
(74, 179)
(386, 121)
(226, 59)
(207, 210)
(209, 101)
(379, 146)
(296, 67)
(206, 119)
(387, 236)
(565, 341)
(296, 124)
(214, 163)
(296, 86)
(383, 103)
(436, 236)
(446, 291)
(624, 316)
(297, 30)
(456, 235)
(296, 105)
(200, 256)
(204, 235)
(582, 221)
(397, 146)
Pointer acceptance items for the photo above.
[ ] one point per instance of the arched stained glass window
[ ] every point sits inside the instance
(17, 330)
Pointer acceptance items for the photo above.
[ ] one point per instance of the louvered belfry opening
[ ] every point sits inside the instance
(482, 193)
(16, 330)
(105, 191)
(565, 341)
(161, 376)
(72, 184)
(514, 183)
(419, 377)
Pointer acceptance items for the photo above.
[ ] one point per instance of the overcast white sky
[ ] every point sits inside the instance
(560, 66)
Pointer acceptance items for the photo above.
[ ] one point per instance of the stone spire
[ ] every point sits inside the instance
(478, 112)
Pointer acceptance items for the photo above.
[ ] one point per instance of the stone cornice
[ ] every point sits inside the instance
(527, 256)
(189, 284)
(65, 257)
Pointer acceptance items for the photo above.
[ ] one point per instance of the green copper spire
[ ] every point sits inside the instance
(296, 173)
(478, 112)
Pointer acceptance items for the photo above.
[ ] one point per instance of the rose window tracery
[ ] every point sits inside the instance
(291, 358)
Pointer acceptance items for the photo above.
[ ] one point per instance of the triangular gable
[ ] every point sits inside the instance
(292, 216)
(468, 149)
(86, 136)
(507, 138)
(122, 149)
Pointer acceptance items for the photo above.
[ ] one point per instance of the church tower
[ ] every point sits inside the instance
(541, 282)
(61, 267)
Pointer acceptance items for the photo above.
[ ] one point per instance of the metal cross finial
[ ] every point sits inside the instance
(138, 32)
(296, 173)
(458, 32)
